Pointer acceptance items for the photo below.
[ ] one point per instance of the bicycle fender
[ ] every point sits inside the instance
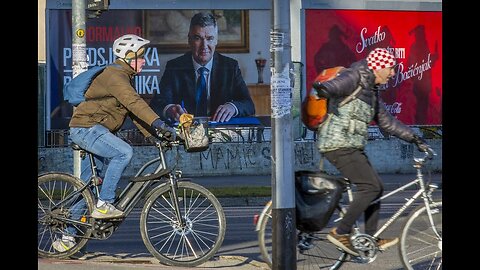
(263, 215)
(69, 175)
(63, 173)
(155, 189)
(182, 179)
(164, 184)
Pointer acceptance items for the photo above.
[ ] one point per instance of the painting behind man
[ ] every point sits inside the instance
(167, 29)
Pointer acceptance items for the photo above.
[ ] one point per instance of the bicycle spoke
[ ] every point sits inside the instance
(420, 248)
(57, 197)
(194, 239)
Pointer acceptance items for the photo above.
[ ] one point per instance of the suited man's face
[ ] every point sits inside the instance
(202, 41)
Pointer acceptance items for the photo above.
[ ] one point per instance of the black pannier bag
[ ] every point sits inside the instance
(316, 196)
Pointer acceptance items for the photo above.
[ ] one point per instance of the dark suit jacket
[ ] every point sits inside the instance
(226, 85)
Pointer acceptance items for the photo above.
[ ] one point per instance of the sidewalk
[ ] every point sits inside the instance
(99, 261)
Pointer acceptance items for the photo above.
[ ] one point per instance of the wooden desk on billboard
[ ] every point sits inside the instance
(260, 94)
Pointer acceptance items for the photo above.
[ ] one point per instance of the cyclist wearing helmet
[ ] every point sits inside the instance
(108, 101)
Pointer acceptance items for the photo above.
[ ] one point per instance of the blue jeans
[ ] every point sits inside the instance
(106, 147)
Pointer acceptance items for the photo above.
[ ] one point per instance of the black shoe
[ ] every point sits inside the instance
(305, 241)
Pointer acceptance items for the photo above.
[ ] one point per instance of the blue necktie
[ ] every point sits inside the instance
(201, 93)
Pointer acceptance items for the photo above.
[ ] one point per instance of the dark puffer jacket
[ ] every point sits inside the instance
(348, 125)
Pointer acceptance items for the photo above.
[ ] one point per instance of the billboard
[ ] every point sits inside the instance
(341, 37)
(166, 29)
(100, 34)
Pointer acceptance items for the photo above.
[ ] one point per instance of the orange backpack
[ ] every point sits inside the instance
(315, 110)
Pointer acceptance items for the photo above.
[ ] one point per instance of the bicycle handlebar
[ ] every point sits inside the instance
(427, 156)
(167, 143)
(430, 153)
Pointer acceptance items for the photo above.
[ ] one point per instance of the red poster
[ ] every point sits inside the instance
(341, 37)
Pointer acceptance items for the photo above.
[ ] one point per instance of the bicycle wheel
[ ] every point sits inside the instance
(265, 234)
(62, 211)
(320, 254)
(420, 248)
(191, 244)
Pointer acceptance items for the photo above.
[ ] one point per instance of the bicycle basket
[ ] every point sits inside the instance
(194, 130)
(316, 195)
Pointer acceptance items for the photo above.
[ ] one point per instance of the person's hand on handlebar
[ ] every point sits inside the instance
(421, 144)
(152, 140)
(164, 130)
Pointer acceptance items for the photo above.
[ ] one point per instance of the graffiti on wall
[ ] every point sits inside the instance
(248, 156)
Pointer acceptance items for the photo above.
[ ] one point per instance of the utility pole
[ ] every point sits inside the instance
(283, 188)
(79, 57)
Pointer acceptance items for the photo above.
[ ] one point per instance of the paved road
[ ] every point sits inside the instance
(125, 249)
(390, 180)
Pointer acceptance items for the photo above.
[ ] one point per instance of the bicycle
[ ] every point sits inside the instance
(181, 222)
(420, 244)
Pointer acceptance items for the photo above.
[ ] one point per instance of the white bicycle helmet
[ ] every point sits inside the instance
(128, 43)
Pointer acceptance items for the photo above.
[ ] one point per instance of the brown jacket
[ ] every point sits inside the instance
(110, 98)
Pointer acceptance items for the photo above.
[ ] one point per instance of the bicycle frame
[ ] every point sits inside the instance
(181, 223)
(325, 253)
(140, 185)
(423, 191)
(134, 190)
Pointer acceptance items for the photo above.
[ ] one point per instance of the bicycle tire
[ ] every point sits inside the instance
(419, 247)
(189, 246)
(52, 188)
(265, 234)
(322, 255)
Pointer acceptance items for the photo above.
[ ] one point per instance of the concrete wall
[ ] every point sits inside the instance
(387, 156)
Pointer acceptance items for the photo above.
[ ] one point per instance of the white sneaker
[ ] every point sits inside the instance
(106, 211)
(64, 244)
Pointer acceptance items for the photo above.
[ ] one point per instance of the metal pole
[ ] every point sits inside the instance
(79, 57)
(283, 188)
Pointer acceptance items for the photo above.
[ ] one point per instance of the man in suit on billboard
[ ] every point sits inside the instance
(203, 82)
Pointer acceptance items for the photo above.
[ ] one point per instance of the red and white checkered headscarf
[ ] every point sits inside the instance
(380, 58)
